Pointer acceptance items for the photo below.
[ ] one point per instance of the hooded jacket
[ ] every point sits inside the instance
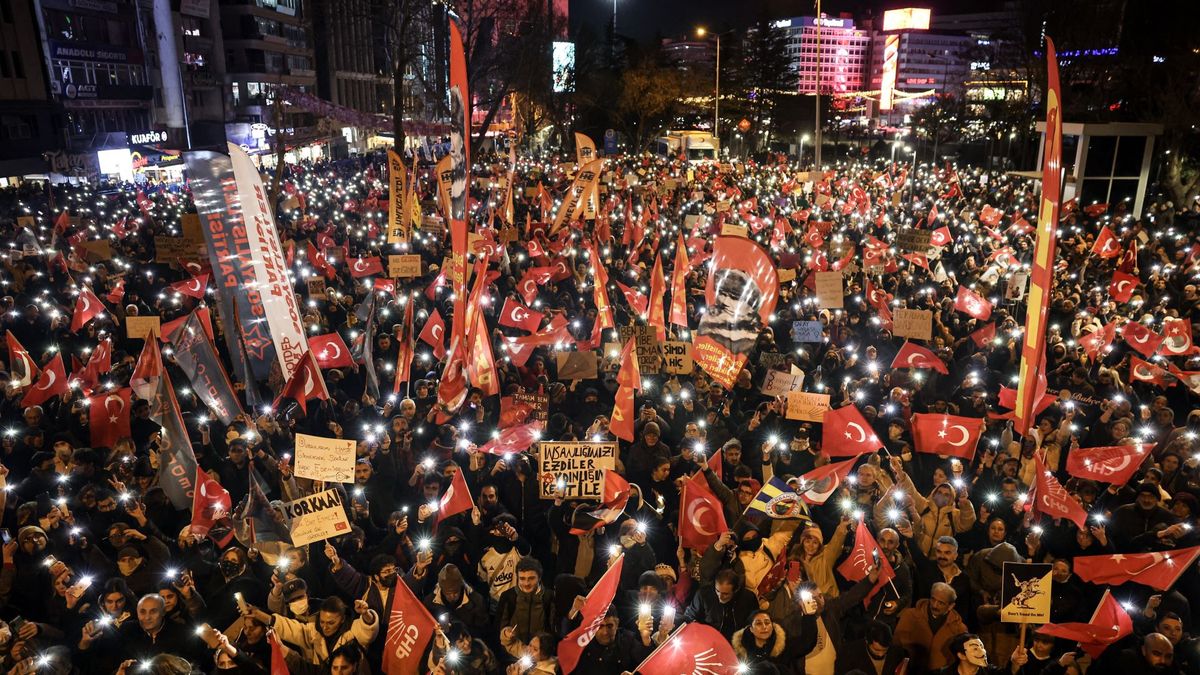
(749, 653)
(936, 521)
(820, 567)
(311, 644)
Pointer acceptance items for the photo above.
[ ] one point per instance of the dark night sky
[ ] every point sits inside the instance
(642, 19)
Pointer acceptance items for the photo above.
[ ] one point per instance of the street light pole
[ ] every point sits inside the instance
(717, 98)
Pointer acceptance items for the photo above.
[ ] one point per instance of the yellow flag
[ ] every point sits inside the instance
(398, 229)
(575, 201)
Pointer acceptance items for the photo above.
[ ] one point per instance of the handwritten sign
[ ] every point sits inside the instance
(913, 241)
(316, 517)
(771, 360)
(677, 356)
(778, 383)
(580, 465)
(802, 405)
(829, 289)
(539, 404)
(404, 266)
(326, 459)
(583, 365)
(786, 274)
(316, 288)
(610, 359)
(142, 327)
(26, 221)
(191, 227)
(807, 331)
(730, 230)
(913, 323)
(97, 250)
(646, 348)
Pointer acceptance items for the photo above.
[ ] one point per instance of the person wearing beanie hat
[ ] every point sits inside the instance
(819, 557)
(454, 599)
(1135, 526)
(644, 455)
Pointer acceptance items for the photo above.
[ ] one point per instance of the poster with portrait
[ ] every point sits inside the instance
(742, 289)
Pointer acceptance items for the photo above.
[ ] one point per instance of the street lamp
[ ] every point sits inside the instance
(701, 32)
(803, 140)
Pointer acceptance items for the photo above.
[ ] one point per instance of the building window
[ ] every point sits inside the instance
(18, 65)
(5, 71)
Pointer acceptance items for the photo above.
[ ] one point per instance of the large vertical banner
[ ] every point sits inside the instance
(742, 289)
(176, 461)
(398, 216)
(887, 84)
(1032, 383)
(247, 260)
(452, 390)
(582, 189)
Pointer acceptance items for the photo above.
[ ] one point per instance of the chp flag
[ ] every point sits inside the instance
(1025, 592)
(595, 606)
(410, 628)
(694, 648)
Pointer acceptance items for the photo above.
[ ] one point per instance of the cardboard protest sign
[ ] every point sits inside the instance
(326, 459)
(646, 349)
(539, 405)
(771, 360)
(913, 323)
(807, 406)
(316, 517)
(404, 266)
(913, 241)
(829, 290)
(191, 228)
(141, 327)
(778, 383)
(677, 355)
(580, 465)
(97, 250)
(807, 331)
(316, 288)
(731, 230)
(786, 275)
(26, 221)
(1025, 592)
(583, 365)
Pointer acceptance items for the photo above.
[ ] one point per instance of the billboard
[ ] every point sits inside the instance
(887, 85)
(563, 66)
(909, 18)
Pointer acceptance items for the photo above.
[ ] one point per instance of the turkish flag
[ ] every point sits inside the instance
(918, 259)
(457, 499)
(946, 434)
(513, 413)
(984, 335)
(193, 287)
(940, 236)
(1096, 342)
(1177, 337)
(915, 356)
(99, 364)
(818, 485)
(1020, 227)
(365, 267)
(514, 439)
(514, 315)
(695, 648)
(634, 297)
(409, 630)
(990, 215)
(117, 294)
(1158, 570)
(846, 433)
(108, 417)
(1095, 210)
(319, 262)
(933, 214)
(210, 502)
(304, 384)
(532, 281)
(612, 503)
(1110, 623)
(331, 351)
(970, 302)
(21, 365)
(717, 465)
(1142, 339)
(1144, 371)
(385, 286)
(1128, 262)
(621, 421)
(877, 297)
(87, 307)
(595, 607)
(1122, 286)
(1051, 499)
(863, 556)
(1106, 245)
(1114, 464)
(53, 382)
(434, 334)
(701, 516)
(1008, 399)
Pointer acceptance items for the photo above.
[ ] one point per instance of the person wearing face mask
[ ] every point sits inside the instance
(234, 576)
(291, 599)
(971, 658)
(501, 547)
(453, 599)
(944, 513)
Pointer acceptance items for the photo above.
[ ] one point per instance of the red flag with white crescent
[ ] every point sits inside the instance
(87, 307)
(108, 417)
(53, 382)
(193, 288)
(846, 433)
(434, 334)
(1158, 570)
(305, 383)
(516, 315)
(457, 498)
(21, 365)
(701, 516)
(915, 356)
(331, 351)
(1143, 340)
(818, 485)
(946, 434)
(1106, 245)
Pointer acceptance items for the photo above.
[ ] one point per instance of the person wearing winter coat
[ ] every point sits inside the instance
(453, 598)
(820, 557)
(754, 554)
(722, 604)
(762, 643)
(944, 513)
(927, 628)
(316, 642)
(525, 609)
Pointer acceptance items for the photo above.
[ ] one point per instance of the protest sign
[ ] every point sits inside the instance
(646, 348)
(1015, 286)
(192, 231)
(583, 365)
(677, 355)
(1025, 592)
(327, 459)
(913, 241)
(771, 360)
(786, 275)
(316, 517)
(807, 406)
(141, 327)
(778, 383)
(404, 266)
(26, 221)
(580, 465)
(829, 290)
(316, 288)
(539, 405)
(97, 250)
(807, 331)
(731, 230)
(913, 323)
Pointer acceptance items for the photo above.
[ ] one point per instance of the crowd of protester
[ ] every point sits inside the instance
(101, 573)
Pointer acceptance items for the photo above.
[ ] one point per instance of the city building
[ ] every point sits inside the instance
(689, 54)
(843, 51)
(927, 62)
(30, 120)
